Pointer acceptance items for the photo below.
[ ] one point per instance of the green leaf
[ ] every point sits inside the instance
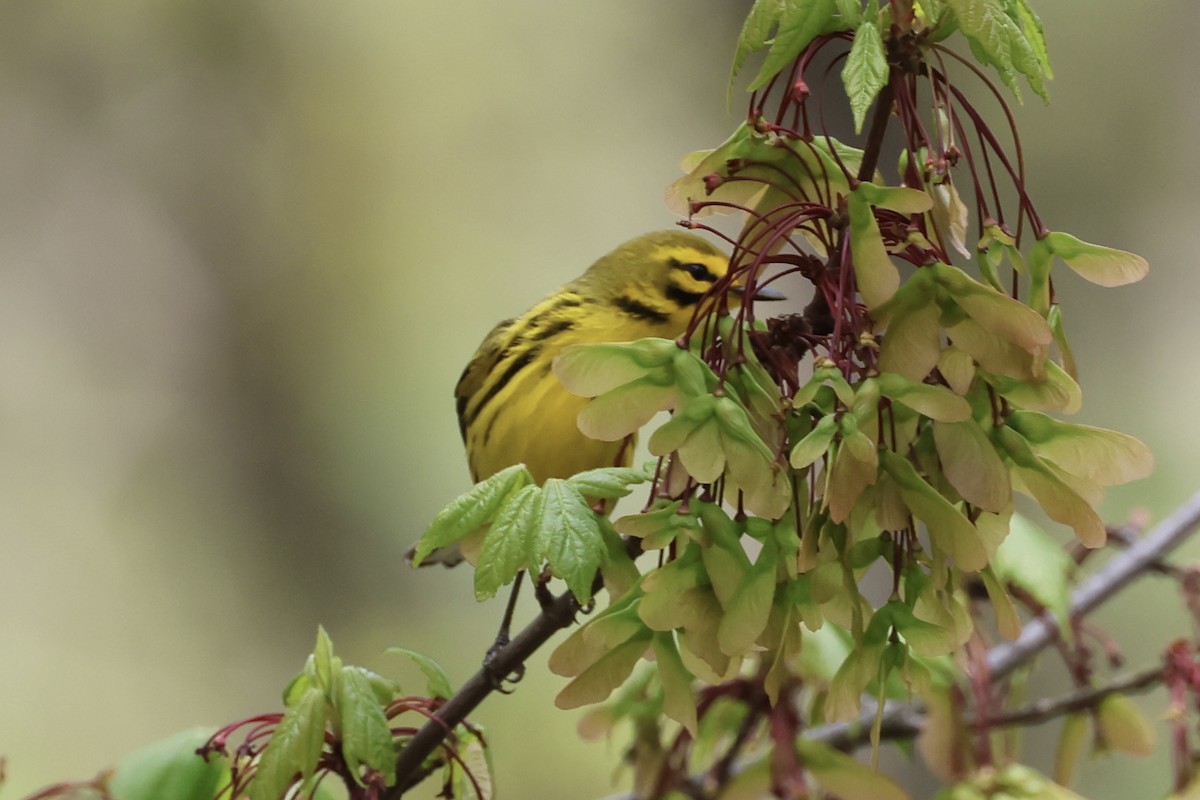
(511, 542)
(874, 272)
(596, 682)
(590, 370)
(1072, 745)
(913, 343)
(815, 444)
(472, 510)
(615, 625)
(936, 402)
(997, 40)
(866, 71)
(365, 733)
(569, 538)
(1008, 622)
(694, 433)
(1060, 502)
(1122, 726)
(437, 683)
(948, 528)
(1095, 454)
(855, 467)
(609, 483)
(324, 662)
(801, 22)
(972, 465)
(747, 612)
(756, 32)
(169, 769)
(678, 701)
(1031, 560)
(750, 465)
(994, 311)
(626, 409)
(295, 747)
(1104, 266)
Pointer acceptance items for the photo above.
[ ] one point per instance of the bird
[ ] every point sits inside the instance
(511, 407)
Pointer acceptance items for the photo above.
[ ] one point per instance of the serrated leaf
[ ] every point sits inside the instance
(295, 747)
(569, 537)
(756, 32)
(609, 483)
(801, 22)
(597, 682)
(472, 510)
(169, 769)
(866, 71)
(511, 542)
(365, 733)
(1031, 26)
(437, 683)
(997, 40)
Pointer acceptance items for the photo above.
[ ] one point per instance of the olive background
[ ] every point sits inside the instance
(246, 248)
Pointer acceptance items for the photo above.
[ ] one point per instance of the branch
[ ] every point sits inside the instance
(904, 720)
(1142, 555)
(559, 613)
(1049, 708)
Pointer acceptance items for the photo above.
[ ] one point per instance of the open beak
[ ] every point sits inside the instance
(760, 293)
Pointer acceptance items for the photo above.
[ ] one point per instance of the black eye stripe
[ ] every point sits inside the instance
(697, 271)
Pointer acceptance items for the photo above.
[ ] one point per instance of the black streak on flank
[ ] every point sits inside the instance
(518, 364)
(682, 296)
(639, 310)
(552, 329)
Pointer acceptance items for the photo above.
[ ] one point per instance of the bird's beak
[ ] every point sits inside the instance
(760, 293)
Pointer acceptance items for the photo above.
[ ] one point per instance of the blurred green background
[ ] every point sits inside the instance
(246, 248)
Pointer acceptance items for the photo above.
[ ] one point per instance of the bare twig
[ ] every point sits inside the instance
(902, 720)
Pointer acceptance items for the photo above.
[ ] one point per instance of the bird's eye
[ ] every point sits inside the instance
(698, 271)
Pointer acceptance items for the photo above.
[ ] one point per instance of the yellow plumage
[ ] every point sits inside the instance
(511, 407)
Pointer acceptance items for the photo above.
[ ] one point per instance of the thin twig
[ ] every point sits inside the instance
(1048, 708)
(556, 615)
